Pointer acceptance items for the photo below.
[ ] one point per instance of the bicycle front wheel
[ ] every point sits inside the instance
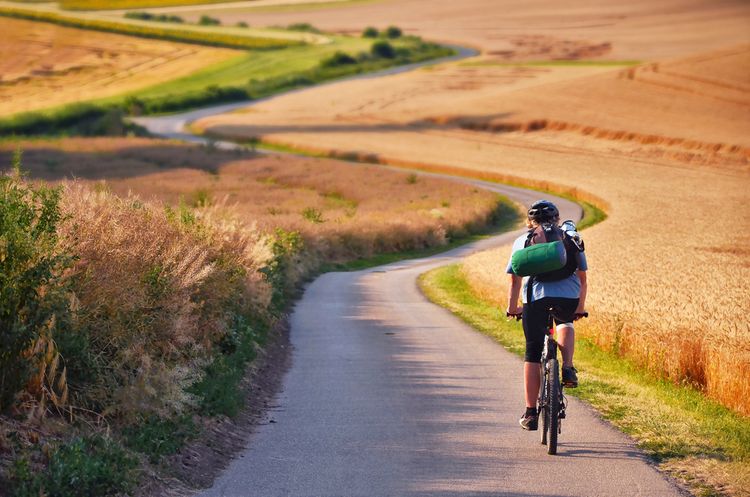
(553, 405)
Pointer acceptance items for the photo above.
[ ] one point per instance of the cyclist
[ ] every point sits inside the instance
(567, 295)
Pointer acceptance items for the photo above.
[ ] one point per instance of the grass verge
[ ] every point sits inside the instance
(695, 439)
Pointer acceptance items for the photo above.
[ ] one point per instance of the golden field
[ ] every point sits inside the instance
(44, 65)
(664, 142)
(342, 212)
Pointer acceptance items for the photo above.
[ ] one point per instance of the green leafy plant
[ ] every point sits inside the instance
(370, 32)
(313, 215)
(393, 32)
(304, 27)
(383, 49)
(157, 437)
(339, 58)
(81, 467)
(31, 294)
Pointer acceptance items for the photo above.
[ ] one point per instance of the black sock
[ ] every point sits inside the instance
(531, 411)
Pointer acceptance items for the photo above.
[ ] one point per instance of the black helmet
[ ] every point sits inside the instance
(543, 211)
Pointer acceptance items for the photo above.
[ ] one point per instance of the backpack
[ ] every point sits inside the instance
(549, 254)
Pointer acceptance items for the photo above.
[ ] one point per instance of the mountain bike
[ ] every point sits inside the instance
(551, 402)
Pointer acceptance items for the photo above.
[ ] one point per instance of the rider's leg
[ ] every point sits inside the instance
(531, 381)
(566, 339)
(534, 329)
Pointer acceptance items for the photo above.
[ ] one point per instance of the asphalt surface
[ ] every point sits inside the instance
(390, 395)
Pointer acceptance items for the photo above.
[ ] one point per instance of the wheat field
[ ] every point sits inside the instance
(44, 65)
(664, 144)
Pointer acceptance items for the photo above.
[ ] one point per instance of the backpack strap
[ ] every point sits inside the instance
(530, 281)
(529, 237)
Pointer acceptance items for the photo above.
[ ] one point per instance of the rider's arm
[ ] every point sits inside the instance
(584, 286)
(514, 291)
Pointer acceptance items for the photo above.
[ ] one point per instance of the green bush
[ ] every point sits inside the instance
(208, 21)
(243, 24)
(82, 467)
(393, 32)
(338, 59)
(370, 32)
(219, 391)
(32, 299)
(383, 49)
(313, 215)
(286, 247)
(147, 16)
(304, 27)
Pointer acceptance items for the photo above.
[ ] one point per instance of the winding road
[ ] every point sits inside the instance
(390, 395)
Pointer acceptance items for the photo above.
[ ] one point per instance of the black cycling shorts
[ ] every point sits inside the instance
(535, 316)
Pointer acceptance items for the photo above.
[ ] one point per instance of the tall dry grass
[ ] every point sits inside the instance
(153, 294)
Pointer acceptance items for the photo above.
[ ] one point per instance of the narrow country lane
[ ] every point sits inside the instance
(391, 395)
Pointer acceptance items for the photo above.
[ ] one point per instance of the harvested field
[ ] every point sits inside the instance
(325, 200)
(533, 30)
(43, 65)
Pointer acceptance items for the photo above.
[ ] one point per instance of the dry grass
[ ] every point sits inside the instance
(152, 297)
(343, 212)
(43, 65)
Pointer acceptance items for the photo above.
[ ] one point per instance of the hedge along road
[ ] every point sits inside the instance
(391, 395)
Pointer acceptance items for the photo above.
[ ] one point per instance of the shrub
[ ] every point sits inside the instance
(304, 27)
(383, 49)
(208, 21)
(370, 32)
(313, 215)
(81, 467)
(393, 32)
(32, 301)
(338, 59)
(243, 24)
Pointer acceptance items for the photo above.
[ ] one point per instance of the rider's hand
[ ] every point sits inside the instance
(580, 313)
(513, 311)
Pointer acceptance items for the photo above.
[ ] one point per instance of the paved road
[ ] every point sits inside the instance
(390, 395)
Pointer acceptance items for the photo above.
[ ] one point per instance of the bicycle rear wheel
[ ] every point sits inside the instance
(553, 405)
(543, 404)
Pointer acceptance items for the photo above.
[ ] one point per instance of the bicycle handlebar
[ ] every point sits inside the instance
(517, 316)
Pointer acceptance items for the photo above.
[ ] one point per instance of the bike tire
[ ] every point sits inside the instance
(543, 405)
(553, 405)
